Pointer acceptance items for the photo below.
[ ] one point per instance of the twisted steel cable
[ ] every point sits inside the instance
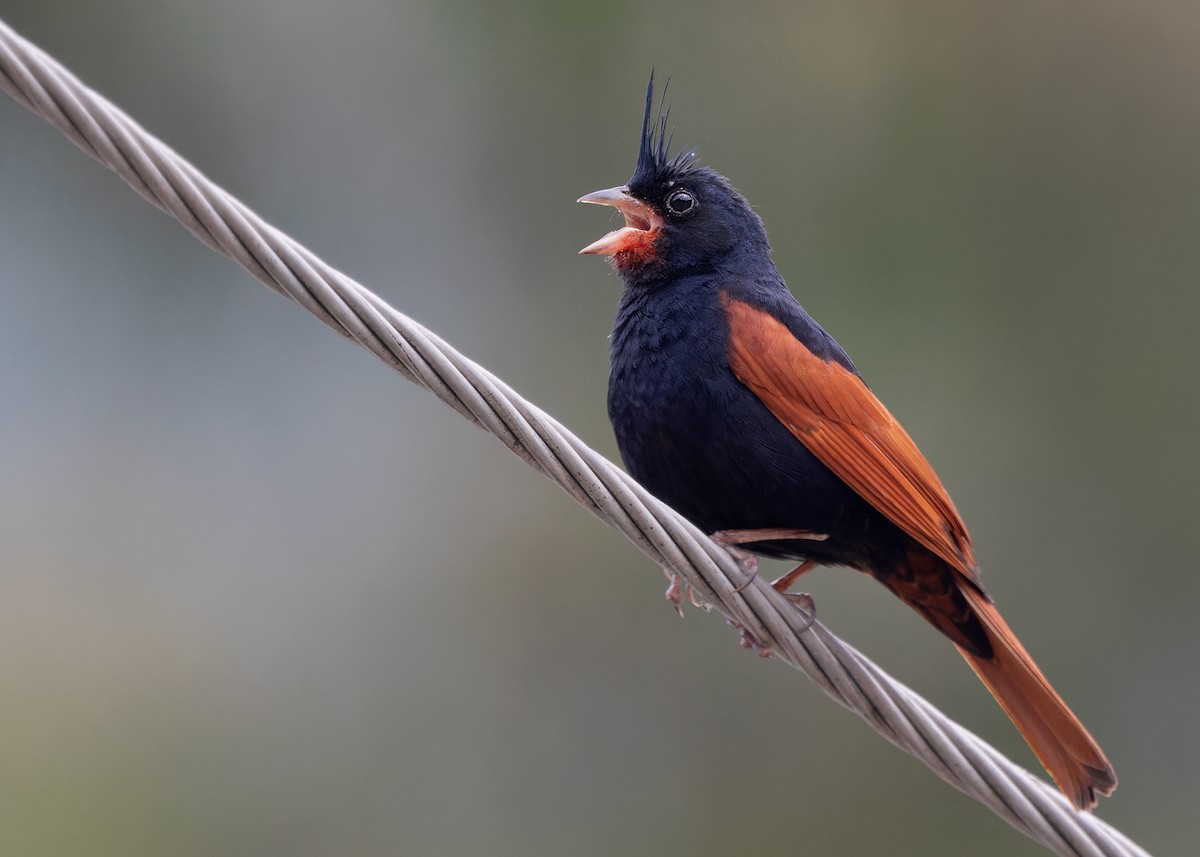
(897, 713)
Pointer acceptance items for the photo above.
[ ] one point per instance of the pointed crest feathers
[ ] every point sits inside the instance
(654, 163)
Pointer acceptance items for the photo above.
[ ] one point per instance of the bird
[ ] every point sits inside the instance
(730, 403)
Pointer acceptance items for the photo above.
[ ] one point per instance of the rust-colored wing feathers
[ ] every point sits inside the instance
(833, 413)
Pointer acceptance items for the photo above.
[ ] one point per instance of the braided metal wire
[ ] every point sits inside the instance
(900, 715)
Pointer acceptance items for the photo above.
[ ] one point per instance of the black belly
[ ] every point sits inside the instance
(709, 448)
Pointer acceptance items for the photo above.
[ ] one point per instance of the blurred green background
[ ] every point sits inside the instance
(260, 596)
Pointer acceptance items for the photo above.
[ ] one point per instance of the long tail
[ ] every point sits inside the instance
(1062, 744)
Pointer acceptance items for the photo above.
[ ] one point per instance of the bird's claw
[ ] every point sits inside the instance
(807, 606)
(728, 539)
(674, 592)
(675, 589)
(749, 641)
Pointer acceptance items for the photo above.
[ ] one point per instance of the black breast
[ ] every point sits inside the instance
(698, 439)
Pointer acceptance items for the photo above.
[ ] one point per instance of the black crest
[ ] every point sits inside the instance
(654, 164)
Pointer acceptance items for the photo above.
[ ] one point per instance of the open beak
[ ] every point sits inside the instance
(640, 219)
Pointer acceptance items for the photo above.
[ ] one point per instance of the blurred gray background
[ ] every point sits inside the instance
(260, 596)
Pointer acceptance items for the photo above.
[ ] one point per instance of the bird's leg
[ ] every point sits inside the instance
(784, 583)
(801, 599)
(730, 539)
(769, 534)
(747, 560)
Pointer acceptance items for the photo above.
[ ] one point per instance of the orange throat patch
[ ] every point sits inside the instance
(636, 248)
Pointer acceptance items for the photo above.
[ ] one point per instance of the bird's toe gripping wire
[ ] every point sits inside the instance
(675, 593)
(730, 539)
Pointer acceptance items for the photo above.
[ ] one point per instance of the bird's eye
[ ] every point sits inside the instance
(680, 202)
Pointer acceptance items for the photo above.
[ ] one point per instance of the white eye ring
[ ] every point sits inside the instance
(680, 202)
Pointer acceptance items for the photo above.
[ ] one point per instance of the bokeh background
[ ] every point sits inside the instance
(260, 596)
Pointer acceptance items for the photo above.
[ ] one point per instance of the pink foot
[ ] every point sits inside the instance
(807, 606)
(674, 592)
(749, 641)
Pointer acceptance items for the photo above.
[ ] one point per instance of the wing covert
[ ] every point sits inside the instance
(833, 413)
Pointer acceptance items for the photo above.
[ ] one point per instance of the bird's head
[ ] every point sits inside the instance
(680, 218)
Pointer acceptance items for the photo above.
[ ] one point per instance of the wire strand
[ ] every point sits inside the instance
(904, 718)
